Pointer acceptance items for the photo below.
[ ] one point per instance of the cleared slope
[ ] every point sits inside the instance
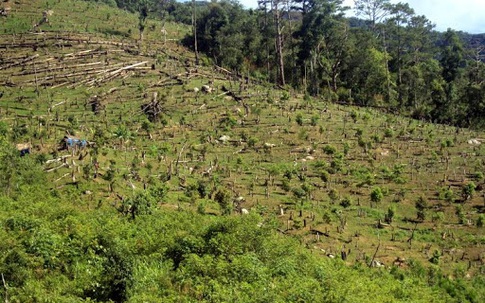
(317, 161)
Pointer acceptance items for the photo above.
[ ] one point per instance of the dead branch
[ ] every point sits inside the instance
(58, 159)
(19, 62)
(114, 73)
(6, 289)
(57, 104)
(127, 67)
(223, 70)
(56, 68)
(178, 158)
(62, 177)
(56, 168)
(79, 53)
(375, 253)
(412, 235)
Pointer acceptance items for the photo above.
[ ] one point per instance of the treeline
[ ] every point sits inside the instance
(389, 57)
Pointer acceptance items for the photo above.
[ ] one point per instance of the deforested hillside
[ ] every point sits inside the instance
(133, 171)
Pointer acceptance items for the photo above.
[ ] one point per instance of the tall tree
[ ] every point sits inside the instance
(400, 15)
(194, 31)
(323, 36)
(365, 73)
(473, 90)
(274, 7)
(373, 10)
(209, 29)
(418, 49)
(292, 24)
(451, 58)
(267, 29)
(279, 41)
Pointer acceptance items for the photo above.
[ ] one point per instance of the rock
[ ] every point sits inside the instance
(239, 199)
(224, 138)
(474, 142)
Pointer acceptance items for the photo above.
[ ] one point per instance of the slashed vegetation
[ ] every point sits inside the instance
(149, 177)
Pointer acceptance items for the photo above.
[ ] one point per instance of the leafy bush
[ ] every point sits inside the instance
(478, 176)
(329, 149)
(314, 120)
(299, 119)
(345, 202)
(376, 195)
(285, 185)
(140, 203)
(421, 207)
(481, 220)
(389, 133)
(224, 199)
(468, 190)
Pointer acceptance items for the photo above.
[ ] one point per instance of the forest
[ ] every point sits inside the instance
(388, 57)
(157, 151)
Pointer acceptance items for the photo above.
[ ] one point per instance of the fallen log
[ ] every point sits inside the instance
(54, 105)
(19, 62)
(112, 74)
(319, 232)
(56, 68)
(56, 168)
(58, 159)
(63, 176)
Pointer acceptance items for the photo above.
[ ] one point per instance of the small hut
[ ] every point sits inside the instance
(71, 142)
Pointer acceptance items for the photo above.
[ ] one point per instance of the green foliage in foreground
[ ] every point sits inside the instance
(54, 250)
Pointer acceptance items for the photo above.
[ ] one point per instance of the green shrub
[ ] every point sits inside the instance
(478, 176)
(354, 115)
(376, 195)
(345, 202)
(481, 220)
(299, 119)
(285, 185)
(421, 206)
(468, 190)
(329, 149)
(224, 199)
(314, 120)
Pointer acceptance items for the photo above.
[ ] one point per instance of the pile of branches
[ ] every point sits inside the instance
(153, 109)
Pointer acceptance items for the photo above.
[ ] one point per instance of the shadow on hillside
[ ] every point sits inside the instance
(114, 32)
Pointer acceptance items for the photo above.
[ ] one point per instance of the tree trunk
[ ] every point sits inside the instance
(279, 44)
(194, 29)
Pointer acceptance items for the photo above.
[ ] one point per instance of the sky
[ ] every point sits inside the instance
(462, 15)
